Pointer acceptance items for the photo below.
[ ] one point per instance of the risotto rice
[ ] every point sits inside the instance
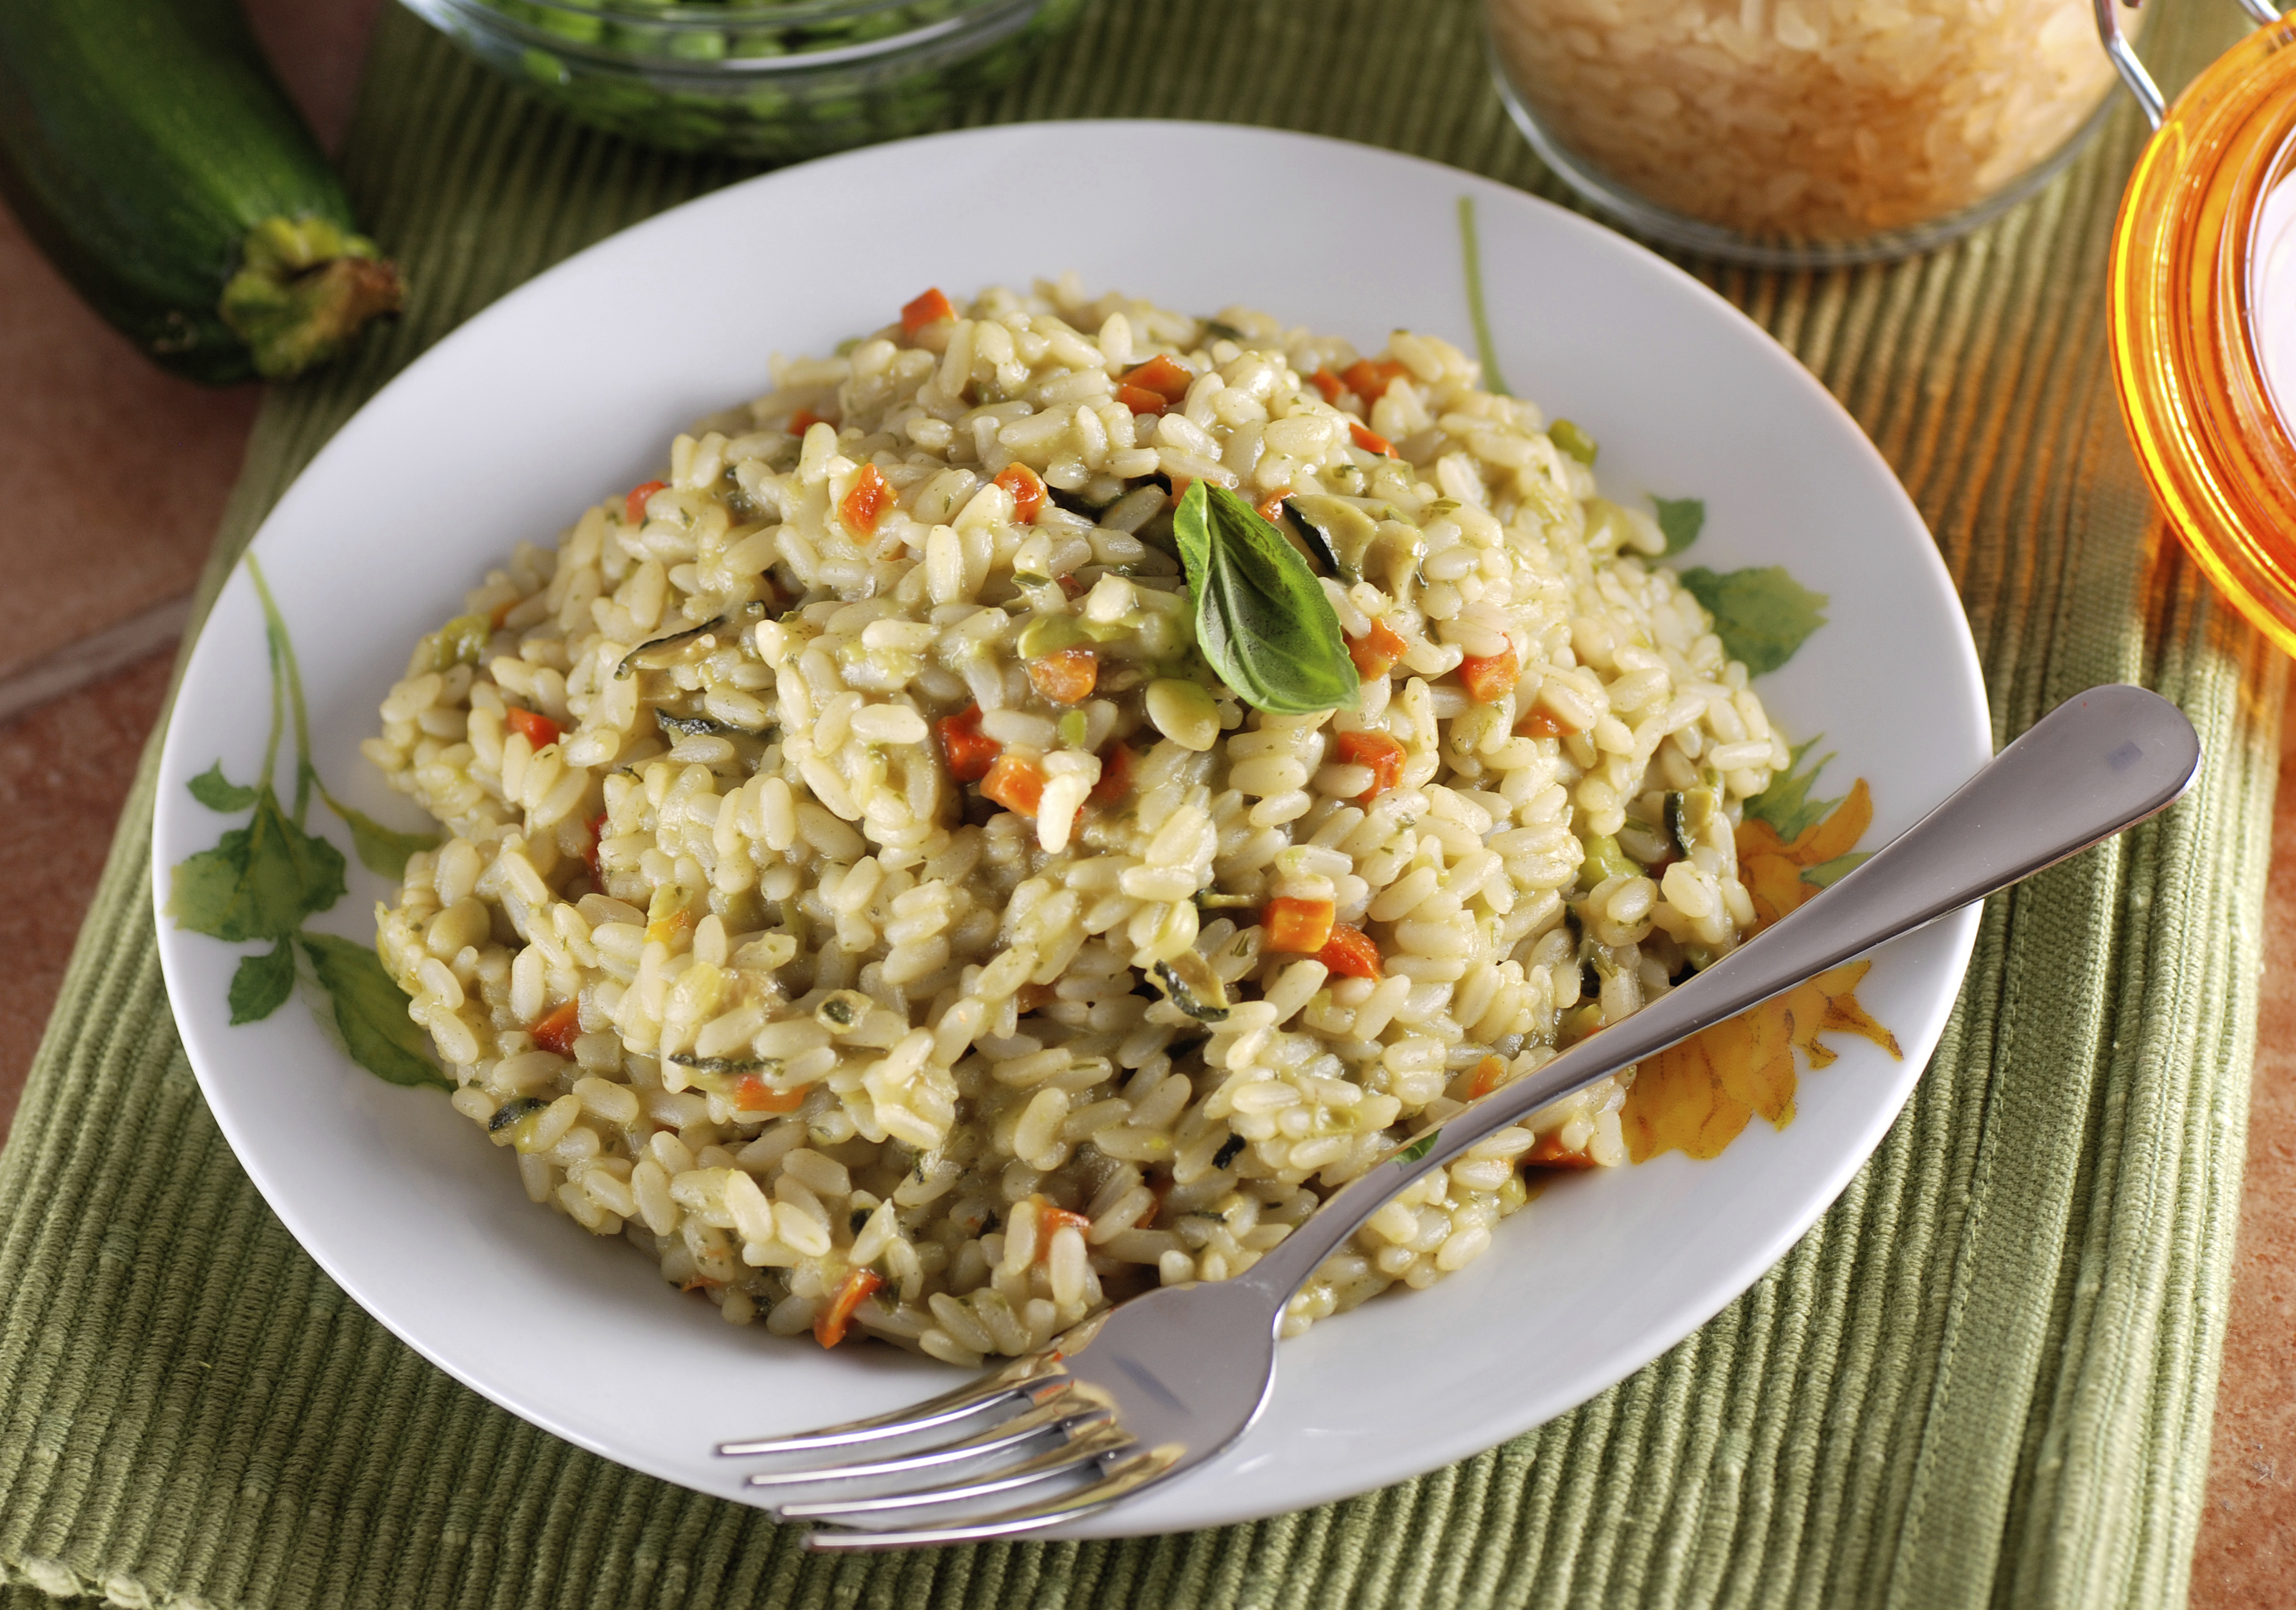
(861, 894)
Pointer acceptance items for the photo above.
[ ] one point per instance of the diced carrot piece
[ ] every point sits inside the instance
(1066, 675)
(871, 495)
(1051, 1221)
(590, 856)
(559, 1029)
(829, 1325)
(1370, 441)
(1117, 762)
(1071, 586)
(1376, 652)
(633, 505)
(968, 751)
(1162, 374)
(1272, 507)
(1027, 490)
(1543, 723)
(1180, 485)
(1377, 751)
(1330, 384)
(804, 420)
(1489, 1075)
(1547, 1153)
(531, 725)
(929, 309)
(1489, 678)
(754, 1095)
(1304, 926)
(1369, 378)
(664, 929)
(1016, 783)
(1140, 400)
(1349, 953)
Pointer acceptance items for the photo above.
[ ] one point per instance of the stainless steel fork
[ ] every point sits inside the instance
(1141, 1394)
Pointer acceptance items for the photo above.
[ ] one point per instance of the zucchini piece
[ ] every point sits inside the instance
(1605, 859)
(719, 1074)
(1189, 983)
(462, 641)
(148, 152)
(1687, 814)
(1342, 532)
(511, 1111)
(842, 1010)
(688, 638)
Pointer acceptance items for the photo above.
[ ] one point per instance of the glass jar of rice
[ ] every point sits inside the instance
(1800, 132)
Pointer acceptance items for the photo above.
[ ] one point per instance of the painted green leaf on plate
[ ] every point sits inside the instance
(211, 789)
(1825, 874)
(381, 849)
(1681, 518)
(260, 882)
(370, 1012)
(1785, 804)
(1762, 613)
(263, 984)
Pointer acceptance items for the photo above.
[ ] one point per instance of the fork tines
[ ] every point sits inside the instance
(1054, 1435)
(1018, 1380)
(1117, 1480)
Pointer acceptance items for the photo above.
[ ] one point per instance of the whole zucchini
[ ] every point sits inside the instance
(147, 148)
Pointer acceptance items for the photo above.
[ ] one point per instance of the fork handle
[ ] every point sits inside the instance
(2100, 762)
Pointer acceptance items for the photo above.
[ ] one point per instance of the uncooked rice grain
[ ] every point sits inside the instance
(1808, 120)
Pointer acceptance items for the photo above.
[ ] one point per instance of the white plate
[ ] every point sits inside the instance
(570, 388)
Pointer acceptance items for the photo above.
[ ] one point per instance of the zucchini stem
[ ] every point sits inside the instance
(304, 290)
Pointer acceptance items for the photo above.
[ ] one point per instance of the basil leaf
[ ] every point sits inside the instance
(1262, 620)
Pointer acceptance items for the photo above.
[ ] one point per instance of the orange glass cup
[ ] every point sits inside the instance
(2196, 388)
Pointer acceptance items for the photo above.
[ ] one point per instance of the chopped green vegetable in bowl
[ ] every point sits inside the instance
(773, 78)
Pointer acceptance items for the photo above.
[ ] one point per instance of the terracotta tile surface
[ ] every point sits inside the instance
(317, 45)
(64, 771)
(115, 472)
(2247, 1555)
(134, 540)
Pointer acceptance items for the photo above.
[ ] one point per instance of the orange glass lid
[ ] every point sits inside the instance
(2203, 317)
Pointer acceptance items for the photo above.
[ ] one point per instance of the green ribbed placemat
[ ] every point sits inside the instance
(1985, 1377)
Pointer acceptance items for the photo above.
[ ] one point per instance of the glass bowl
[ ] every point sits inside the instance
(779, 79)
(1803, 133)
